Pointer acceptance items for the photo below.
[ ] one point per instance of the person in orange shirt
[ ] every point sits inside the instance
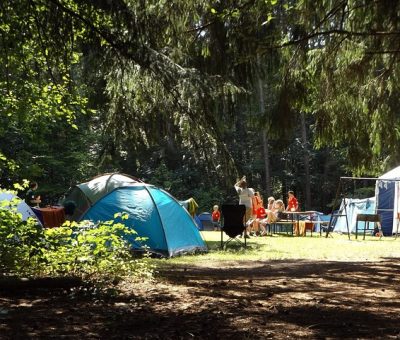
(216, 216)
(257, 202)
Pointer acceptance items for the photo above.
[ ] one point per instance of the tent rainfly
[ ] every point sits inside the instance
(153, 213)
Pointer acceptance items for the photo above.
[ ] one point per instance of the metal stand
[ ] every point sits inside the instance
(366, 218)
(338, 193)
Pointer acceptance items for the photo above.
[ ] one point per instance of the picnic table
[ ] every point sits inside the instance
(50, 216)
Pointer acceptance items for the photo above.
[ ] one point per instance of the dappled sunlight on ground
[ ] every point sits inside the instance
(244, 295)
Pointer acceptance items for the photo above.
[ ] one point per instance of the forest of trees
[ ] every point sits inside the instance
(189, 95)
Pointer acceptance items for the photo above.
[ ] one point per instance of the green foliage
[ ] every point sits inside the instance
(344, 72)
(21, 242)
(178, 103)
(91, 251)
(94, 252)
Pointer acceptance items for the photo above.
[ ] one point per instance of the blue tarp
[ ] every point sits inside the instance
(354, 207)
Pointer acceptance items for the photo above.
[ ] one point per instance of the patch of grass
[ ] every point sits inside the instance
(282, 247)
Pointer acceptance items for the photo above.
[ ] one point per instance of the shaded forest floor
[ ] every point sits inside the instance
(234, 299)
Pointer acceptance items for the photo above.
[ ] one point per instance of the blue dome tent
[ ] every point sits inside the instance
(153, 213)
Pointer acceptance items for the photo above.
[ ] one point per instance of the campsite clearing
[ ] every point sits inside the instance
(280, 287)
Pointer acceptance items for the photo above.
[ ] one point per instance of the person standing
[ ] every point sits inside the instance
(292, 204)
(216, 216)
(245, 197)
(32, 197)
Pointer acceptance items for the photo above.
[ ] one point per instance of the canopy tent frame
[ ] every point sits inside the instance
(340, 193)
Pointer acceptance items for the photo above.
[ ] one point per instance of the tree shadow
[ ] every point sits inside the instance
(249, 300)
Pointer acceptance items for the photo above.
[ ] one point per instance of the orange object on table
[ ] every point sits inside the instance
(52, 217)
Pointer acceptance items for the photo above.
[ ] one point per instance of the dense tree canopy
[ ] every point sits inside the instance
(190, 94)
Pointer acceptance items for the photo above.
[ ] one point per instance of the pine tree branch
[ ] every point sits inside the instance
(338, 32)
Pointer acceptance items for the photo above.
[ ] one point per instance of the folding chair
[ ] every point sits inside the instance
(233, 223)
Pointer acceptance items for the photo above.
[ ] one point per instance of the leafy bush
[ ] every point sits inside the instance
(92, 251)
(86, 250)
(21, 242)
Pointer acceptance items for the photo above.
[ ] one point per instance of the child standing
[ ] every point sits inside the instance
(293, 204)
(216, 216)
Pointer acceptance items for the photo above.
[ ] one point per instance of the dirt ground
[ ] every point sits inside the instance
(238, 300)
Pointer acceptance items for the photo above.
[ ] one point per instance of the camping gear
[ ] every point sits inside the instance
(7, 200)
(156, 216)
(353, 207)
(84, 195)
(190, 205)
(233, 223)
(367, 218)
(206, 221)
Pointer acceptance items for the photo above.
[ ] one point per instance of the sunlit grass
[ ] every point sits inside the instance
(336, 248)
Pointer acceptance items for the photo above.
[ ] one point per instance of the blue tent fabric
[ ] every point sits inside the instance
(7, 197)
(318, 218)
(206, 221)
(197, 220)
(154, 214)
(387, 192)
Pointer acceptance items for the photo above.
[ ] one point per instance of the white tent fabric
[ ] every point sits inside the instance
(7, 200)
(387, 192)
(354, 207)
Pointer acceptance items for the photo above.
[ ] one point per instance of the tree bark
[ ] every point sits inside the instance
(264, 135)
(306, 157)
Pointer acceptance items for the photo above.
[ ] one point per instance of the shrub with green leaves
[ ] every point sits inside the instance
(92, 251)
(22, 243)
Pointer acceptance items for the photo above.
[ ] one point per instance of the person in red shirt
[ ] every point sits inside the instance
(216, 216)
(260, 215)
(257, 202)
(292, 204)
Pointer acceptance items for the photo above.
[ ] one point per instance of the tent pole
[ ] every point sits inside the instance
(333, 206)
(347, 220)
(159, 216)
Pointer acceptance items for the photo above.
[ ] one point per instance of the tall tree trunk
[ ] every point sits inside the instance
(268, 188)
(264, 135)
(306, 156)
